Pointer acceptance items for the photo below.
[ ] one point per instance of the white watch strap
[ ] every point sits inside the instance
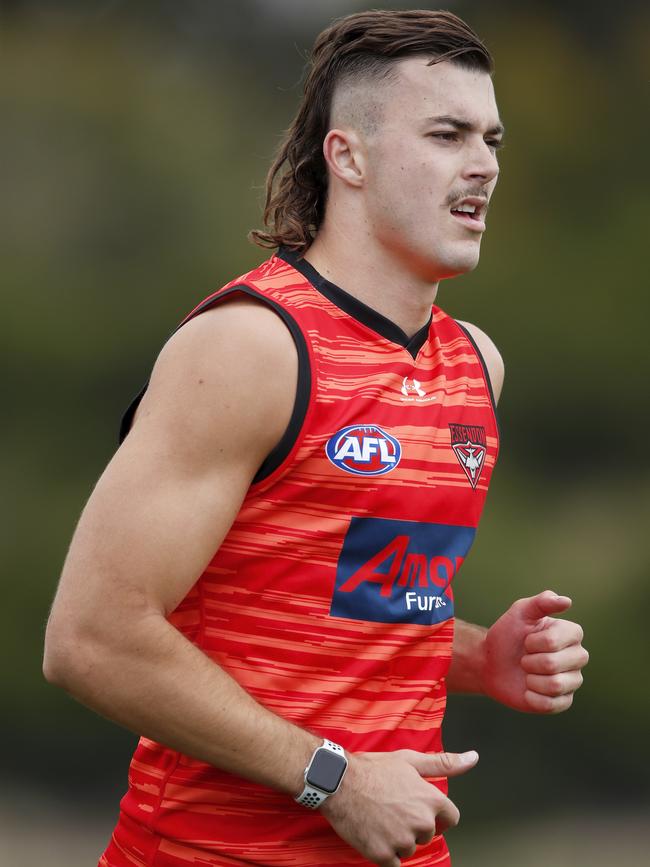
(311, 797)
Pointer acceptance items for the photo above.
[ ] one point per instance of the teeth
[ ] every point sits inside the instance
(467, 209)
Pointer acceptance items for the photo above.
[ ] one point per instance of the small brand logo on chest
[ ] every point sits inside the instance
(470, 446)
(413, 391)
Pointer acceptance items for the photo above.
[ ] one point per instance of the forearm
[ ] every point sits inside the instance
(161, 686)
(468, 658)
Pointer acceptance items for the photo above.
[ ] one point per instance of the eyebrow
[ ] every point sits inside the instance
(457, 122)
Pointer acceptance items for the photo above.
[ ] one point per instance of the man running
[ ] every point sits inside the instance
(261, 582)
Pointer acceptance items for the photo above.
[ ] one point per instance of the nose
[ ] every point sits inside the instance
(481, 163)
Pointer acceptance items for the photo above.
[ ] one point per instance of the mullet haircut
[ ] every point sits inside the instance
(358, 47)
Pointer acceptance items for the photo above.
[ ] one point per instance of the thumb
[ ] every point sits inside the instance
(441, 764)
(547, 602)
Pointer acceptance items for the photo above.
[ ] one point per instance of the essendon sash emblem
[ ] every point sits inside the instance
(469, 444)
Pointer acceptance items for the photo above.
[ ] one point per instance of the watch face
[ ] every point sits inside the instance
(326, 770)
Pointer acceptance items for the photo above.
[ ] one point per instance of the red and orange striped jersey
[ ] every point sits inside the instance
(330, 600)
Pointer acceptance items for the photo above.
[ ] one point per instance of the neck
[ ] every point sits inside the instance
(374, 276)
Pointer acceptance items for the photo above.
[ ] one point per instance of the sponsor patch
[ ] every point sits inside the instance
(470, 446)
(364, 450)
(393, 571)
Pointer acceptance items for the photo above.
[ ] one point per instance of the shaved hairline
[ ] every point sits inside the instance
(350, 104)
(354, 104)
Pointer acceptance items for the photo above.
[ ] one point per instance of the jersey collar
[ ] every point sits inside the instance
(355, 308)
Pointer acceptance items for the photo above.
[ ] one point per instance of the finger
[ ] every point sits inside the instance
(447, 816)
(547, 602)
(441, 764)
(570, 659)
(556, 635)
(425, 837)
(554, 684)
(394, 861)
(547, 704)
(405, 851)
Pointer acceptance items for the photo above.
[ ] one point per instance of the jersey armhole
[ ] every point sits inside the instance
(281, 451)
(486, 372)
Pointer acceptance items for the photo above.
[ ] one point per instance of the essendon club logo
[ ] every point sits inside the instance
(469, 445)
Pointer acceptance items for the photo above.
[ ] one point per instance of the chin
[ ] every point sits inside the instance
(433, 265)
(454, 266)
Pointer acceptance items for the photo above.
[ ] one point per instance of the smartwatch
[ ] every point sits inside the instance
(323, 774)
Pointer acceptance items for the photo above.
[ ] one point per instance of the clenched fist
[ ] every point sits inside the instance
(533, 661)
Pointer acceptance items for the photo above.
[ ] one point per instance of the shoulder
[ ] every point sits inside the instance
(224, 382)
(241, 332)
(491, 356)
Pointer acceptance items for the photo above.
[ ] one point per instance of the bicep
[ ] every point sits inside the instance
(148, 529)
(171, 492)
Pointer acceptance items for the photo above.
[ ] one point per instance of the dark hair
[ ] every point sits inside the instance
(366, 44)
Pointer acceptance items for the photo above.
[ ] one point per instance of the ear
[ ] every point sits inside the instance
(345, 156)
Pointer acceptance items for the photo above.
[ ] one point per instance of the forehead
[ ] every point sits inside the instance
(420, 91)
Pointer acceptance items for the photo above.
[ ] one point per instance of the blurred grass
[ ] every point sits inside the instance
(70, 836)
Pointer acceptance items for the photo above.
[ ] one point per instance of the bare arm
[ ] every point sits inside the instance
(153, 522)
(527, 659)
(468, 658)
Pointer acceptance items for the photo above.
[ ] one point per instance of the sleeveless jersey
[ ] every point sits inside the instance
(330, 599)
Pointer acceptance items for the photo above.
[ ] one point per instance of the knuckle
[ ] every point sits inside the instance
(453, 820)
(547, 664)
(406, 850)
(446, 761)
(549, 643)
(382, 856)
(542, 703)
(563, 703)
(556, 685)
(551, 638)
(548, 705)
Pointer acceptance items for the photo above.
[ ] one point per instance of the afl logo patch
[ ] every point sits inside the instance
(364, 450)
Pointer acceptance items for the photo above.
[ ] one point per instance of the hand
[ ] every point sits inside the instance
(533, 661)
(384, 808)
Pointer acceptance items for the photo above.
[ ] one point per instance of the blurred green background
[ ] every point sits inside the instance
(134, 144)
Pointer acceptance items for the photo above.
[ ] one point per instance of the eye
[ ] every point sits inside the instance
(445, 136)
(494, 143)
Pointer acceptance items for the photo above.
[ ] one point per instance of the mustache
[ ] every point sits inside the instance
(458, 195)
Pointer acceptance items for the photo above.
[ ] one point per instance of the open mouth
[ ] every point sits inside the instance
(471, 214)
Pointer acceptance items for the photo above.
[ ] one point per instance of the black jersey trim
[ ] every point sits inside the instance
(127, 419)
(281, 451)
(486, 372)
(356, 308)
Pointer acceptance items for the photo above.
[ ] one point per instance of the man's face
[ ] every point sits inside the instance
(433, 147)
